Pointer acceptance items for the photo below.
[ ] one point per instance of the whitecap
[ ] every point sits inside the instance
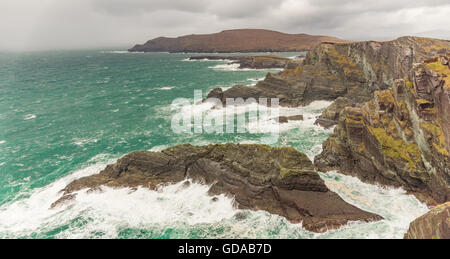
(115, 52)
(2, 142)
(397, 207)
(226, 67)
(30, 117)
(84, 141)
(236, 67)
(166, 88)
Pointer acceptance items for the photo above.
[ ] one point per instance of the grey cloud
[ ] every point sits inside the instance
(133, 7)
(44, 24)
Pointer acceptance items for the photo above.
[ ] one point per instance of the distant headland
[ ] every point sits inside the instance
(242, 40)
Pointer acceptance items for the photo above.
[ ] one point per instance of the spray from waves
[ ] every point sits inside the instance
(30, 117)
(32, 215)
(235, 67)
(187, 211)
(115, 52)
(310, 114)
(248, 82)
(179, 211)
(206, 60)
(397, 207)
(166, 88)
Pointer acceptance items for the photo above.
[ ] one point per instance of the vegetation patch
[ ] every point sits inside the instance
(397, 148)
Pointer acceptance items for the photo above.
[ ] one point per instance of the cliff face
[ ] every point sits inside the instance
(246, 40)
(401, 137)
(350, 70)
(433, 225)
(282, 181)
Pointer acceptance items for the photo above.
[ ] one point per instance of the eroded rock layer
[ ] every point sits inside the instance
(401, 137)
(433, 225)
(350, 70)
(282, 181)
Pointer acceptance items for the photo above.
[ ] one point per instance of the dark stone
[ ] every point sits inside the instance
(281, 181)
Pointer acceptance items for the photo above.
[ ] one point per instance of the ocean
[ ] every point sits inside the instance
(67, 114)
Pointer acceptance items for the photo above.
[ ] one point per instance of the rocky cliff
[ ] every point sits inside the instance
(433, 225)
(245, 40)
(349, 70)
(401, 137)
(282, 181)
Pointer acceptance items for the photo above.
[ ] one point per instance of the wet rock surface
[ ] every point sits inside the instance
(281, 181)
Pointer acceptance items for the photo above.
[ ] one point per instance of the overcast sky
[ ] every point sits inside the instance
(75, 24)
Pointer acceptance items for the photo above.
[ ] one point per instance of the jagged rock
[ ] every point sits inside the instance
(253, 62)
(286, 119)
(350, 70)
(231, 41)
(400, 138)
(433, 225)
(330, 116)
(282, 181)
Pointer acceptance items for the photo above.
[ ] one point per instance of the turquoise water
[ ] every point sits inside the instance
(64, 115)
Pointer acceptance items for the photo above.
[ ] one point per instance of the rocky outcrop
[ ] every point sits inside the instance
(330, 116)
(254, 62)
(350, 70)
(286, 119)
(401, 137)
(282, 181)
(433, 225)
(229, 41)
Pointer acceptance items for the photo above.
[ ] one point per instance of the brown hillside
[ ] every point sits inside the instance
(244, 40)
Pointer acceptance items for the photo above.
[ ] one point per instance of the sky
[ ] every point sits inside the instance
(30, 25)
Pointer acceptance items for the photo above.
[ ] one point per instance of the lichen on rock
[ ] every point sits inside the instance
(399, 138)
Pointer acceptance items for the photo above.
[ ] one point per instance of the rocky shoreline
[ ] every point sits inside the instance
(353, 71)
(390, 109)
(400, 138)
(254, 62)
(281, 181)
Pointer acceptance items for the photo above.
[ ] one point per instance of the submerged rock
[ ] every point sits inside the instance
(400, 138)
(286, 119)
(433, 225)
(281, 181)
